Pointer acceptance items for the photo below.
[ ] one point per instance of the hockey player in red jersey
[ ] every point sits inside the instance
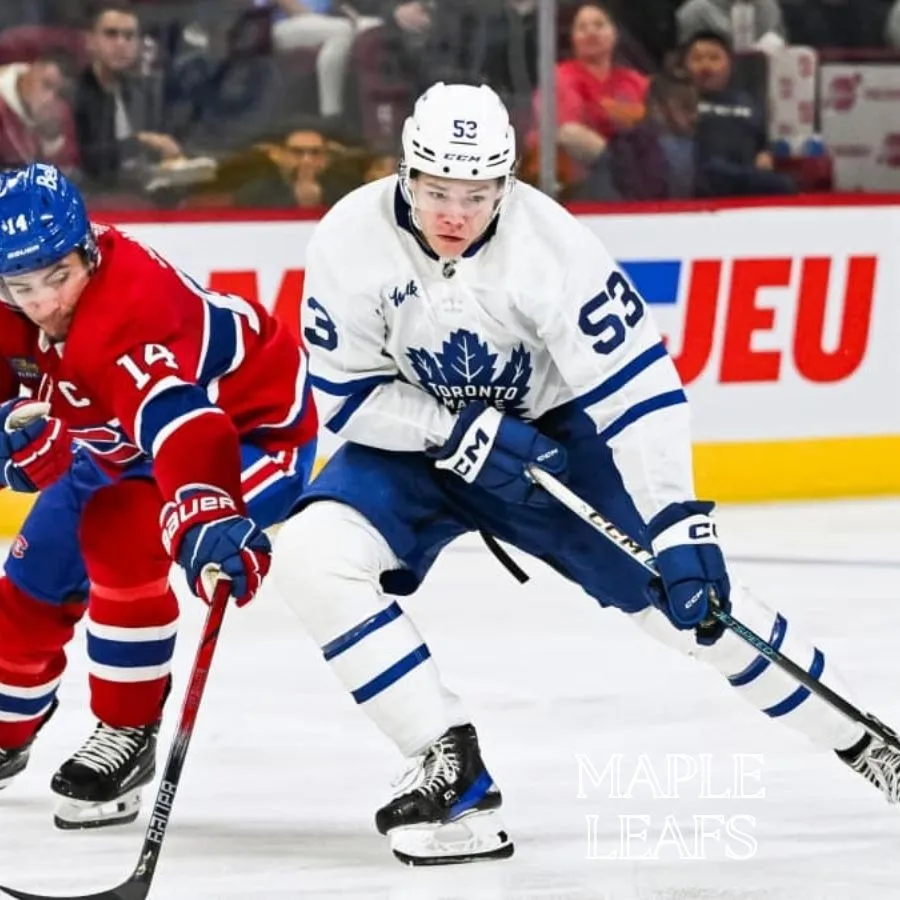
(166, 423)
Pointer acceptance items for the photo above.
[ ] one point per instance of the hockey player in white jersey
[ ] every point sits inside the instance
(460, 327)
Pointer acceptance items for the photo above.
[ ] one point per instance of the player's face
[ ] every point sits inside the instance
(48, 296)
(451, 213)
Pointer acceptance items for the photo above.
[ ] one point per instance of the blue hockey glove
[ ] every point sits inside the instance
(35, 449)
(491, 450)
(202, 529)
(691, 567)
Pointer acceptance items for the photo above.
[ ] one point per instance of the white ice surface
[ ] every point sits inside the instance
(284, 773)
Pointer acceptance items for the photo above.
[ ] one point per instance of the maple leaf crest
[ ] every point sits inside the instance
(465, 369)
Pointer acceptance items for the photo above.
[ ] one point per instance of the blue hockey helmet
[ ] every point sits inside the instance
(42, 219)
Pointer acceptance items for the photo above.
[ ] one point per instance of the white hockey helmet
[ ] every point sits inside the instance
(459, 131)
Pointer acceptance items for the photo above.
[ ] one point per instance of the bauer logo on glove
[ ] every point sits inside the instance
(202, 530)
(177, 516)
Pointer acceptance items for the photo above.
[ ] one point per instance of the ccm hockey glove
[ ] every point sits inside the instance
(691, 567)
(491, 450)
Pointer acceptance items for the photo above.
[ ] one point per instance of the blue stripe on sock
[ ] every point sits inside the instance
(20, 706)
(795, 699)
(346, 640)
(761, 663)
(129, 654)
(394, 673)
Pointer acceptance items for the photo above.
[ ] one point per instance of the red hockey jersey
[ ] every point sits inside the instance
(155, 366)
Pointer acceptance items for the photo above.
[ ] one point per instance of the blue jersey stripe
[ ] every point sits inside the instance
(639, 410)
(627, 373)
(340, 418)
(221, 344)
(346, 388)
(163, 409)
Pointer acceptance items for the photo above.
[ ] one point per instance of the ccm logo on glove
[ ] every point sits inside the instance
(701, 531)
(476, 446)
(692, 571)
(493, 451)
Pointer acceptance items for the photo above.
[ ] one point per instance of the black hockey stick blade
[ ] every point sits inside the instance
(138, 885)
(643, 557)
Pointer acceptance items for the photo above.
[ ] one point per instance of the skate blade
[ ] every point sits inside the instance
(473, 837)
(73, 815)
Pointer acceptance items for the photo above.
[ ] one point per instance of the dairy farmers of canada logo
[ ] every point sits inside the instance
(465, 370)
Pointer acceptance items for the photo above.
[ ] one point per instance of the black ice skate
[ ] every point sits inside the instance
(13, 762)
(102, 782)
(445, 812)
(878, 763)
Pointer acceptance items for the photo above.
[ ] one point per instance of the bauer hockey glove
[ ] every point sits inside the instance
(35, 449)
(691, 567)
(202, 528)
(491, 450)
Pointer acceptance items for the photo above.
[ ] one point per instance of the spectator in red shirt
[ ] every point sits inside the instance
(595, 97)
(36, 122)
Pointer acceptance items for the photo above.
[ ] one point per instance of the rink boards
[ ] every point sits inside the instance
(783, 322)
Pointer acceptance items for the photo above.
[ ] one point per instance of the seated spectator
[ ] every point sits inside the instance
(35, 119)
(114, 109)
(330, 26)
(595, 97)
(304, 169)
(763, 20)
(655, 160)
(307, 158)
(733, 158)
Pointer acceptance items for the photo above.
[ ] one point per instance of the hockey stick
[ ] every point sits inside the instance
(138, 884)
(584, 511)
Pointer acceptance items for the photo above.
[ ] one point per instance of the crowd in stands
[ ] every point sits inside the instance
(292, 103)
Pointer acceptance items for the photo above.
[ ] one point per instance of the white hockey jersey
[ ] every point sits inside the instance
(535, 315)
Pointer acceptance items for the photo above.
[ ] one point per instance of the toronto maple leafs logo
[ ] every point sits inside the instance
(465, 370)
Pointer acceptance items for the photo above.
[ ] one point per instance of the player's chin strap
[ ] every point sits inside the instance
(643, 557)
(504, 558)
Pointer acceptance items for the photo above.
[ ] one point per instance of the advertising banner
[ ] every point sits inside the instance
(781, 321)
(860, 124)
